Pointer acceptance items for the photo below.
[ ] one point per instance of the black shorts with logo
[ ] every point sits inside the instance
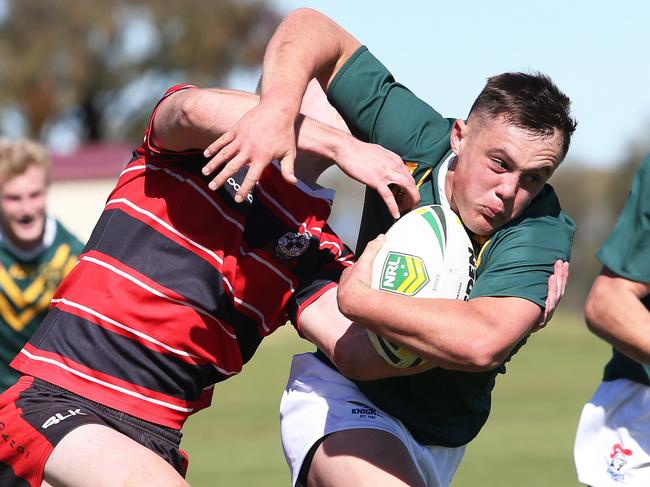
(35, 415)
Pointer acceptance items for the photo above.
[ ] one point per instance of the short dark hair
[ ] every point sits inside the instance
(528, 101)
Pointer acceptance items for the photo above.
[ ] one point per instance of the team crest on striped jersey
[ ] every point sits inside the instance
(291, 245)
(403, 274)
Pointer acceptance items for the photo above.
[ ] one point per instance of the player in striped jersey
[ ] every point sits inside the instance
(174, 292)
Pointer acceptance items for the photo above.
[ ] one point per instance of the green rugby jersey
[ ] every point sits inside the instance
(27, 282)
(627, 253)
(443, 407)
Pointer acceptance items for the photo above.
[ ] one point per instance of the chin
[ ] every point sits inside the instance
(29, 238)
(482, 227)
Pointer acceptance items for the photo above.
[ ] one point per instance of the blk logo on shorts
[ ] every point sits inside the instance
(58, 417)
(619, 457)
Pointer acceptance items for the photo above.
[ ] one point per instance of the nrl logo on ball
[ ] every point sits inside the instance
(403, 273)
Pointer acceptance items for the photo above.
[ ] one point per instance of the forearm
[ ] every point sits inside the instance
(346, 344)
(306, 45)
(459, 335)
(615, 313)
(193, 118)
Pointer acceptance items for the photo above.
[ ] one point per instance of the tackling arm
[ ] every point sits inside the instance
(615, 313)
(193, 118)
(345, 343)
(306, 45)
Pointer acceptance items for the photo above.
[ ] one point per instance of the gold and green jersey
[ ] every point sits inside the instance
(27, 283)
(444, 407)
(626, 252)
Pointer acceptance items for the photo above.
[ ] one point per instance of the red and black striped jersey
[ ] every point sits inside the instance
(178, 285)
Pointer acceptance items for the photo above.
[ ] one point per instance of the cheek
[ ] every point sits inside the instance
(8, 210)
(38, 205)
(522, 200)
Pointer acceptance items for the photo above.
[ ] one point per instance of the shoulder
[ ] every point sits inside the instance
(542, 225)
(626, 251)
(518, 259)
(381, 110)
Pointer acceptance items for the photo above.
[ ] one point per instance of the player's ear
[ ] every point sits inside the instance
(458, 133)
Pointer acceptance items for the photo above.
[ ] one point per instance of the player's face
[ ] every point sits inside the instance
(22, 207)
(499, 169)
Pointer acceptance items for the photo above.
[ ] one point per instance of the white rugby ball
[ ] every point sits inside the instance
(426, 254)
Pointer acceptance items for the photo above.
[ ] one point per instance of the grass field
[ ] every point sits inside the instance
(527, 440)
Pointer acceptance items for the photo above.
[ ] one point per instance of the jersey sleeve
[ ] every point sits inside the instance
(379, 110)
(627, 249)
(327, 276)
(148, 145)
(518, 260)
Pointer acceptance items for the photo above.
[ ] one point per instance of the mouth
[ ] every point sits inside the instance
(490, 213)
(26, 221)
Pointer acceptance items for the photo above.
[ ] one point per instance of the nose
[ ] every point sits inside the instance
(507, 187)
(26, 206)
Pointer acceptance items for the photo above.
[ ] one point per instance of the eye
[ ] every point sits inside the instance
(533, 178)
(498, 163)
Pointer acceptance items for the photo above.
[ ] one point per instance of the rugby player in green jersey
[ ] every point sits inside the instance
(491, 169)
(36, 251)
(613, 440)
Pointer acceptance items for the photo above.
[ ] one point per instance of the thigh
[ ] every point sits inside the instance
(363, 457)
(97, 455)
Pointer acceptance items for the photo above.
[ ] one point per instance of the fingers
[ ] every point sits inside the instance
(390, 200)
(248, 185)
(553, 296)
(219, 152)
(228, 171)
(287, 168)
(561, 273)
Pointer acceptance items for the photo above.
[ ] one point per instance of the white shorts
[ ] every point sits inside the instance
(319, 401)
(612, 446)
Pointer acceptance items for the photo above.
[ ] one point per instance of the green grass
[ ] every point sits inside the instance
(527, 440)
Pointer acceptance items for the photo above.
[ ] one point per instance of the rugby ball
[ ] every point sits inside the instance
(426, 254)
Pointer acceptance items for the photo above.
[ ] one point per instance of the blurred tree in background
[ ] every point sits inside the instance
(98, 66)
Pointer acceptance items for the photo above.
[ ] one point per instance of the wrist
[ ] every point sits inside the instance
(283, 101)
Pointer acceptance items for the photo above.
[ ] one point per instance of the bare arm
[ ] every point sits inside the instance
(306, 45)
(615, 313)
(472, 335)
(345, 343)
(194, 118)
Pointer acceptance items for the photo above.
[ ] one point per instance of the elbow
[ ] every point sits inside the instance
(480, 357)
(348, 364)
(355, 360)
(303, 14)
(593, 314)
(189, 113)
